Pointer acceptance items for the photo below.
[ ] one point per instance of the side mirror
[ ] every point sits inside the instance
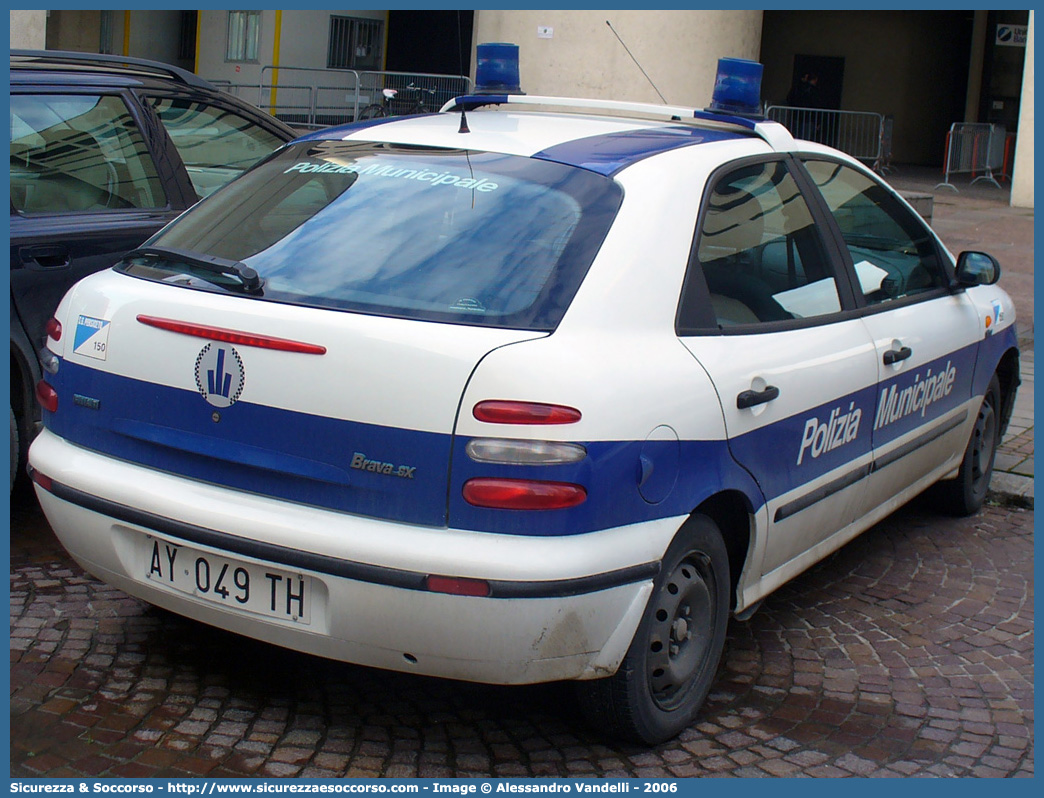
(977, 268)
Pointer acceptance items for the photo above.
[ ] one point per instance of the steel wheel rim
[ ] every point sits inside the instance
(985, 436)
(680, 630)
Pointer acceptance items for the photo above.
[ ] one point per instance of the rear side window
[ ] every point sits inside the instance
(79, 153)
(442, 235)
(215, 144)
(760, 253)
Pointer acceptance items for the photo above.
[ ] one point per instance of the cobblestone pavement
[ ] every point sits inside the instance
(907, 653)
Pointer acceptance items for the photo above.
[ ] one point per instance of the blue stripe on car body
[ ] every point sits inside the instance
(786, 463)
(608, 154)
(280, 453)
(307, 458)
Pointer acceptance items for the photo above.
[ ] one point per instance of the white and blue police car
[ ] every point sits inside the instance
(530, 389)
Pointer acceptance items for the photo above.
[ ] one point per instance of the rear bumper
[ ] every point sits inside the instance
(560, 607)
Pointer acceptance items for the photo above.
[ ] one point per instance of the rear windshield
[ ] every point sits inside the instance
(422, 233)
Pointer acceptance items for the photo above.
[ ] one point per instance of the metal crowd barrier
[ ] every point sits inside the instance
(437, 90)
(884, 159)
(244, 91)
(306, 97)
(974, 147)
(861, 134)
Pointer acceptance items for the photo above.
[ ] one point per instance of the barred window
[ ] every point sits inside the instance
(244, 34)
(355, 43)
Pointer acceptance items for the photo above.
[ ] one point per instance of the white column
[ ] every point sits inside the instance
(1022, 170)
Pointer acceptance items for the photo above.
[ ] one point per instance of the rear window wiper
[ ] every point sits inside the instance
(247, 275)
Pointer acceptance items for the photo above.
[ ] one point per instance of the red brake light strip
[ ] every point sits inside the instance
(498, 411)
(232, 336)
(522, 494)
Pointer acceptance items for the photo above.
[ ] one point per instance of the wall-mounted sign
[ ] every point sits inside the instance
(1012, 35)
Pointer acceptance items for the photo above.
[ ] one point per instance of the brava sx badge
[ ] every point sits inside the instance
(219, 374)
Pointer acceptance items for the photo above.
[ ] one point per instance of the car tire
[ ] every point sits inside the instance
(16, 448)
(966, 494)
(673, 659)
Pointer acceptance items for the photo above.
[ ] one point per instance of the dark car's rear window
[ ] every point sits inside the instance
(434, 234)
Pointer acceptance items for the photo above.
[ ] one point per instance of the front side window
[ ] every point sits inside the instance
(893, 252)
(79, 153)
(215, 144)
(442, 235)
(244, 35)
(761, 256)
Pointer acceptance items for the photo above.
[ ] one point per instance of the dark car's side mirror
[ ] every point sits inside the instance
(977, 268)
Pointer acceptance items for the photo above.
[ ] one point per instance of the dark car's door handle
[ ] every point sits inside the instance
(895, 355)
(751, 398)
(53, 256)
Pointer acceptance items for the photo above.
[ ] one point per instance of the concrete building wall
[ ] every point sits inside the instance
(75, 30)
(211, 43)
(304, 38)
(582, 57)
(28, 30)
(1022, 179)
(153, 34)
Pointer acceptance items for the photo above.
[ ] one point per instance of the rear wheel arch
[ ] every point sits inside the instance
(25, 371)
(22, 387)
(22, 409)
(731, 511)
(1008, 370)
(676, 650)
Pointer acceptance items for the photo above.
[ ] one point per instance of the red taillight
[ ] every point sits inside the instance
(47, 397)
(232, 336)
(54, 329)
(522, 494)
(42, 480)
(457, 586)
(496, 411)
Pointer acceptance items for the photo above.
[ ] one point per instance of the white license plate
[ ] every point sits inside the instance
(237, 585)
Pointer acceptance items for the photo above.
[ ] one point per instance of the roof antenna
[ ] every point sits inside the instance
(460, 55)
(617, 35)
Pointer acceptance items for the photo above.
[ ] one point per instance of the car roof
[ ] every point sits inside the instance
(62, 68)
(602, 144)
(85, 65)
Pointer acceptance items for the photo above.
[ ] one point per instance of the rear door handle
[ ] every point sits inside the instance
(752, 398)
(45, 258)
(895, 355)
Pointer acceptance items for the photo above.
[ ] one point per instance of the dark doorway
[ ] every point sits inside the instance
(436, 42)
(1002, 69)
(829, 72)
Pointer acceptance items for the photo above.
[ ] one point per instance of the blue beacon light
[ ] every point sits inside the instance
(737, 88)
(496, 70)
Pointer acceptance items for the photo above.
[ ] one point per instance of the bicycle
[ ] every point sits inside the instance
(390, 102)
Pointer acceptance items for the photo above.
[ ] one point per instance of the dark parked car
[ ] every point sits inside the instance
(105, 150)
